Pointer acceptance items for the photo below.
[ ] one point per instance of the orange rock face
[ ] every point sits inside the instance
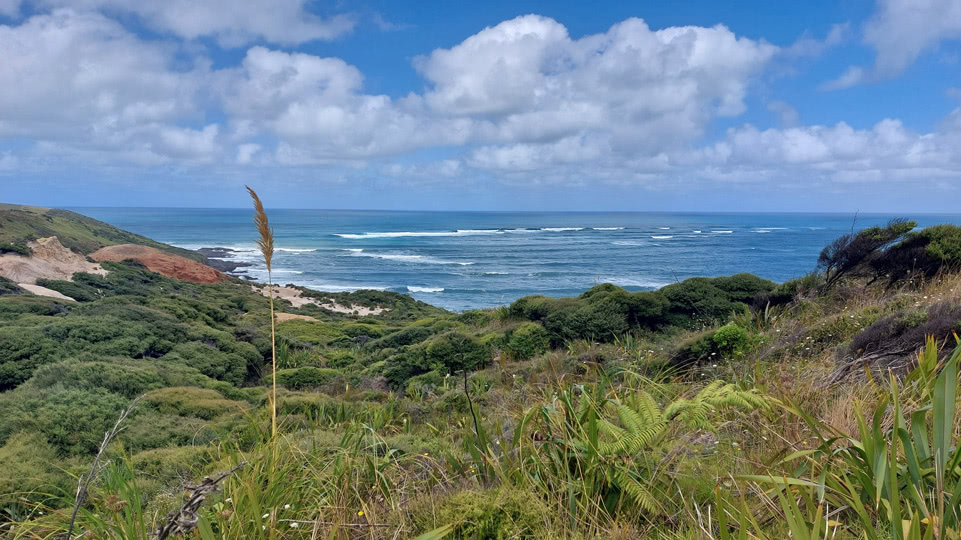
(160, 262)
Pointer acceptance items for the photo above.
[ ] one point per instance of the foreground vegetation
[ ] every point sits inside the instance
(714, 408)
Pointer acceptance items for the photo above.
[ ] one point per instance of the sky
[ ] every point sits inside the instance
(832, 106)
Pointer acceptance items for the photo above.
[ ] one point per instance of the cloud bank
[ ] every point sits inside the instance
(521, 102)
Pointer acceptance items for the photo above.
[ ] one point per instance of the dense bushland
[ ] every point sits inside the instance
(614, 414)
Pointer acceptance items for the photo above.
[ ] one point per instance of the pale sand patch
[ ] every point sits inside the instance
(281, 317)
(43, 291)
(295, 298)
(50, 260)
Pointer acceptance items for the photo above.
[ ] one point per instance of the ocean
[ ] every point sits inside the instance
(468, 260)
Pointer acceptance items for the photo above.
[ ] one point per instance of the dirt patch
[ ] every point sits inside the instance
(43, 291)
(281, 317)
(50, 260)
(161, 262)
(297, 300)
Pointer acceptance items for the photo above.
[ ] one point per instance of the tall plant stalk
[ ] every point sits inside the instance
(266, 245)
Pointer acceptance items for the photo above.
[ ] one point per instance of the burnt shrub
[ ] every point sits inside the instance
(853, 253)
(923, 253)
(905, 331)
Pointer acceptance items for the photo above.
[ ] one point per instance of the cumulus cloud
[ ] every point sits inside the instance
(233, 24)
(887, 151)
(899, 32)
(81, 81)
(519, 102)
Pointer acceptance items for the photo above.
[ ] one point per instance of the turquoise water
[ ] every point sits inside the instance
(466, 260)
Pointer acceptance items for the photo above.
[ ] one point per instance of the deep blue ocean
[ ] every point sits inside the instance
(465, 260)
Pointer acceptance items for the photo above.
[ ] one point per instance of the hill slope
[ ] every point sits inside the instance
(80, 233)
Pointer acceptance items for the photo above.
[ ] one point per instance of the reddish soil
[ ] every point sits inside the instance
(161, 262)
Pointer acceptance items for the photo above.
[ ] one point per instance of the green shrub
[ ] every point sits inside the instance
(17, 248)
(527, 341)
(9, 287)
(697, 300)
(496, 514)
(201, 403)
(475, 318)
(446, 353)
(315, 333)
(22, 350)
(171, 463)
(731, 341)
(425, 382)
(210, 361)
(77, 291)
(455, 351)
(407, 336)
(306, 377)
(372, 331)
(73, 421)
(29, 475)
(744, 287)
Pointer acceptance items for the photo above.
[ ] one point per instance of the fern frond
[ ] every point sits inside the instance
(641, 495)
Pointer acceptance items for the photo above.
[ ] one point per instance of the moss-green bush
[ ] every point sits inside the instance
(731, 341)
(191, 402)
(16, 248)
(306, 377)
(210, 361)
(9, 287)
(28, 475)
(496, 514)
(72, 420)
(527, 341)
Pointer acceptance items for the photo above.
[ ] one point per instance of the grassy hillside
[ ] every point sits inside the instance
(75, 231)
(713, 408)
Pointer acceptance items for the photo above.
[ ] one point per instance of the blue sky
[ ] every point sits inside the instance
(726, 106)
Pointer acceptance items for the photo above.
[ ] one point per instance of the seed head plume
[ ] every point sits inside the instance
(266, 244)
(266, 241)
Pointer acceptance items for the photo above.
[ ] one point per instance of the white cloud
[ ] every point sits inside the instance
(899, 32)
(81, 81)
(526, 79)
(887, 151)
(232, 23)
(520, 102)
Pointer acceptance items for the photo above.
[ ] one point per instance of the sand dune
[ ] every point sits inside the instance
(50, 260)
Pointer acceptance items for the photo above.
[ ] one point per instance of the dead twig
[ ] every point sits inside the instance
(85, 482)
(185, 519)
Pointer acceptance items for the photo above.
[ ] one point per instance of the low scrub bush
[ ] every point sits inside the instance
(306, 377)
(526, 341)
(16, 248)
(485, 515)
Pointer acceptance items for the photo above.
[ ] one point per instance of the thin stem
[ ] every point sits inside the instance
(273, 359)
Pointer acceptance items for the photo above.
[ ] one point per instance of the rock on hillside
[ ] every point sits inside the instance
(50, 260)
(161, 262)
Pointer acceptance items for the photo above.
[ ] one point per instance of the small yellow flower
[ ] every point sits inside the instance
(360, 513)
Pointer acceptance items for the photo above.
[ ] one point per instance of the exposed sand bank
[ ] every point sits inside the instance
(297, 300)
(50, 260)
